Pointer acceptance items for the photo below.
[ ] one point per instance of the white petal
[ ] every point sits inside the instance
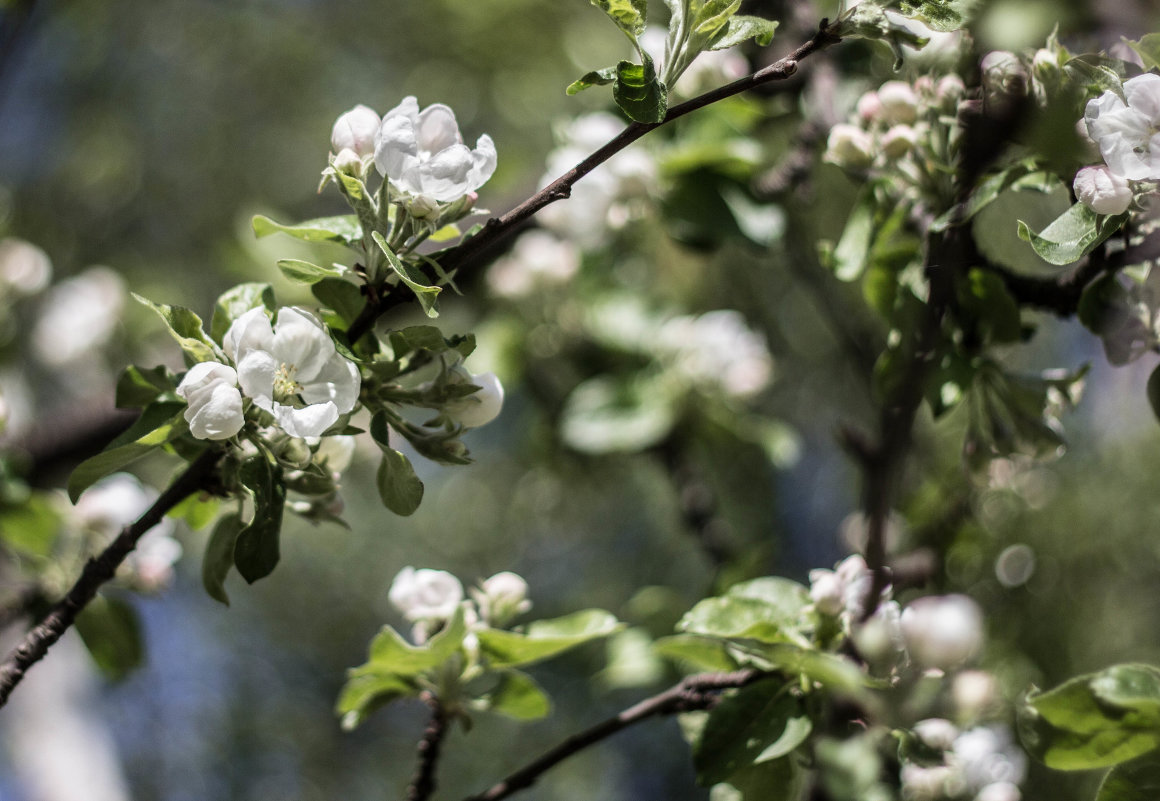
(445, 173)
(1119, 153)
(355, 130)
(481, 407)
(309, 421)
(409, 108)
(218, 415)
(256, 375)
(301, 341)
(484, 157)
(396, 151)
(250, 331)
(337, 381)
(437, 129)
(1143, 94)
(204, 375)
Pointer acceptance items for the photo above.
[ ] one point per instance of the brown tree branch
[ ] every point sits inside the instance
(695, 692)
(499, 227)
(423, 783)
(97, 571)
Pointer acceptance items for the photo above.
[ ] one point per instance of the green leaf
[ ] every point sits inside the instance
(138, 387)
(31, 527)
(219, 557)
(304, 272)
(759, 723)
(391, 654)
(940, 15)
(606, 415)
(1095, 73)
(112, 633)
(341, 296)
(411, 276)
(344, 229)
(776, 780)
(518, 696)
(1138, 780)
(982, 196)
(235, 302)
(417, 337)
(836, 673)
(256, 550)
(545, 638)
(984, 296)
(1072, 235)
(851, 255)
(363, 694)
(589, 79)
(638, 92)
(629, 15)
(198, 510)
(1147, 48)
(713, 15)
(159, 423)
(701, 653)
(186, 328)
(737, 617)
(400, 489)
(786, 597)
(741, 28)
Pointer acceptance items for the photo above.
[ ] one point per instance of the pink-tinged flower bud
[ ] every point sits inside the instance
(349, 163)
(898, 141)
(355, 130)
(949, 91)
(899, 102)
(827, 591)
(1101, 190)
(869, 107)
(849, 146)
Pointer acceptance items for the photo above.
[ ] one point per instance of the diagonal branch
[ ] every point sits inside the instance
(499, 227)
(97, 571)
(694, 692)
(423, 783)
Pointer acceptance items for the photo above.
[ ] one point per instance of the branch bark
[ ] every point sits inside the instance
(695, 692)
(423, 783)
(97, 571)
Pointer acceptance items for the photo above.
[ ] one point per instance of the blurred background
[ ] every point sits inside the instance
(138, 139)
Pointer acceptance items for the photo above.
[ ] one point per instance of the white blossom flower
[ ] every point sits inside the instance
(879, 638)
(502, 597)
(943, 631)
(292, 370)
(115, 502)
(425, 594)
(215, 403)
(718, 349)
(868, 107)
(974, 692)
(925, 783)
(849, 146)
(1003, 75)
(1101, 190)
(898, 141)
(899, 102)
(999, 791)
(480, 407)
(987, 755)
(936, 733)
(422, 153)
(1128, 134)
(827, 591)
(355, 131)
(25, 269)
(336, 453)
(78, 316)
(539, 258)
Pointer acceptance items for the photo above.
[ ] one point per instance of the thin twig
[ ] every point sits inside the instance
(498, 227)
(423, 783)
(96, 572)
(695, 692)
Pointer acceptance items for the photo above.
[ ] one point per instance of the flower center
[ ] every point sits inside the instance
(285, 387)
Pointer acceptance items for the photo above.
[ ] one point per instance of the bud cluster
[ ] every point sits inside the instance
(429, 598)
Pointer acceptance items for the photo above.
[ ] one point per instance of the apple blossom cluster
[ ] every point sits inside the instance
(429, 598)
(981, 763)
(1126, 130)
(289, 369)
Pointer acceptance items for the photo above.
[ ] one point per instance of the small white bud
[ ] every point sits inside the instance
(1101, 190)
(482, 406)
(869, 107)
(936, 733)
(349, 163)
(899, 102)
(502, 597)
(1045, 65)
(849, 146)
(974, 692)
(827, 591)
(355, 130)
(1003, 75)
(423, 206)
(899, 141)
(949, 91)
(944, 631)
(425, 594)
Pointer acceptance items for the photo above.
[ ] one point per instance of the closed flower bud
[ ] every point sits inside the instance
(943, 632)
(899, 102)
(215, 403)
(898, 141)
(827, 591)
(1045, 65)
(425, 594)
(1004, 75)
(849, 146)
(355, 131)
(349, 163)
(949, 91)
(502, 597)
(1102, 191)
(482, 406)
(936, 733)
(869, 107)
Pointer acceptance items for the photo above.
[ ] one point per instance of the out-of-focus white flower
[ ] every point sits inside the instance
(1101, 190)
(480, 407)
(849, 146)
(1128, 134)
(974, 692)
(115, 502)
(718, 348)
(25, 269)
(355, 131)
(925, 783)
(538, 259)
(868, 107)
(987, 755)
(999, 791)
(949, 91)
(843, 590)
(502, 597)
(425, 594)
(151, 562)
(878, 638)
(827, 591)
(711, 69)
(422, 152)
(292, 370)
(336, 453)
(78, 316)
(1003, 75)
(936, 733)
(898, 141)
(943, 631)
(215, 403)
(899, 102)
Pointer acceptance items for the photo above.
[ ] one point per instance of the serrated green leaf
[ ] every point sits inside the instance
(629, 15)
(256, 551)
(363, 694)
(138, 387)
(304, 272)
(835, 672)
(344, 228)
(518, 696)
(112, 634)
(411, 276)
(713, 15)
(741, 28)
(1072, 235)
(391, 654)
(786, 597)
(1138, 780)
(759, 723)
(341, 296)
(545, 638)
(416, 337)
(940, 15)
(219, 557)
(159, 423)
(594, 78)
(1096, 74)
(638, 92)
(186, 328)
